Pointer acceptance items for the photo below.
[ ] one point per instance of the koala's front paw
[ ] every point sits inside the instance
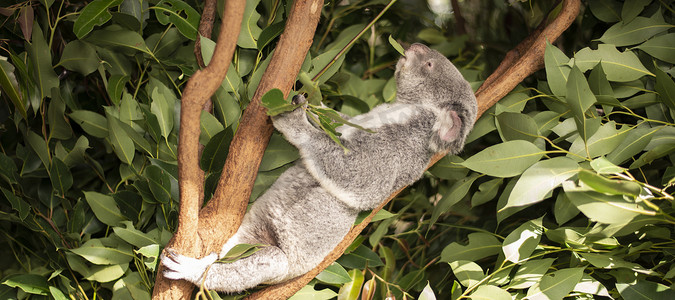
(299, 98)
(183, 267)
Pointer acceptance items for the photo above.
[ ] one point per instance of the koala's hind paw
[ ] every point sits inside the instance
(297, 99)
(183, 267)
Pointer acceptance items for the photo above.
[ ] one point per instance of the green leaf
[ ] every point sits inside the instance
(609, 209)
(635, 142)
(643, 289)
(60, 176)
(608, 11)
(275, 102)
(608, 186)
(106, 273)
(226, 107)
(209, 126)
(455, 194)
(334, 274)
(172, 11)
(92, 123)
(661, 47)
(427, 293)
(604, 166)
(605, 139)
(95, 13)
(95, 252)
(507, 159)
(540, 179)
(18, 204)
(467, 272)
(105, 208)
(607, 261)
(556, 285)
(116, 85)
(250, 31)
(665, 87)
(215, 152)
(632, 9)
(490, 292)
(309, 293)
(480, 245)
(619, 66)
(79, 56)
(588, 285)
(530, 273)
(10, 86)
(636, 31)
(159, 182)
(361, 257)
(133, 236)
(557, 69)
(579, 99)
(117, 37)
(563, 209)
(389, 90)
(162, 108)
(517, 126)
(486, 192)
(29, 283)
(122, 144)
(521, 242)
(41, 60)
(396, 46)
(241, 251)
(352, 289)
(270, 32)
(449, 167)
(39, 145)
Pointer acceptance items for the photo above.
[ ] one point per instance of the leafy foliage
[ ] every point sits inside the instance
(564, 190)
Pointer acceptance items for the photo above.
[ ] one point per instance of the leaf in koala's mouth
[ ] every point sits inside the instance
(396, 46)
(275, 103)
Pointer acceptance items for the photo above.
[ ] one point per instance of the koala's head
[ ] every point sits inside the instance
(425, 76)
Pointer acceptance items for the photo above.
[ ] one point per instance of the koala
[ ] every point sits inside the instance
(314, 203)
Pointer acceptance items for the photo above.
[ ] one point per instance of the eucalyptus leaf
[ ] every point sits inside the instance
(95, 13)
(507, 159)
(636, 31)
(105, 208)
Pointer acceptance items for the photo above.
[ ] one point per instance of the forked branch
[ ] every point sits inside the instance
(199, 89)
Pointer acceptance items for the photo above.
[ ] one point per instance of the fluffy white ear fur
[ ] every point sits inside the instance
(314, 203)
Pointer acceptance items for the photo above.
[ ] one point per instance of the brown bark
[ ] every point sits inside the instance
(190, 177)
(515, 69)
(205, 29)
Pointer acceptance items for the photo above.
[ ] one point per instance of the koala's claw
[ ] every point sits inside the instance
(182, 267)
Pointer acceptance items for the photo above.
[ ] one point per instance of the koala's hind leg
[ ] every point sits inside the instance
(267, 265)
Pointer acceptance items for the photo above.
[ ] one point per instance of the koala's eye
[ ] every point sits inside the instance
(429, 64)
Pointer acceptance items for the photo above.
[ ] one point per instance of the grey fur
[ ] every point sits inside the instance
(312, 205)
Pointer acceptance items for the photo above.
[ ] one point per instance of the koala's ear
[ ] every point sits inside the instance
(448, 126)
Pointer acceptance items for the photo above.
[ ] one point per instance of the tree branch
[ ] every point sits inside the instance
(517, 68)
(205, 28)
(199, 89)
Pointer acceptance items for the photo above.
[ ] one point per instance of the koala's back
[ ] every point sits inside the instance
(300, 217)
